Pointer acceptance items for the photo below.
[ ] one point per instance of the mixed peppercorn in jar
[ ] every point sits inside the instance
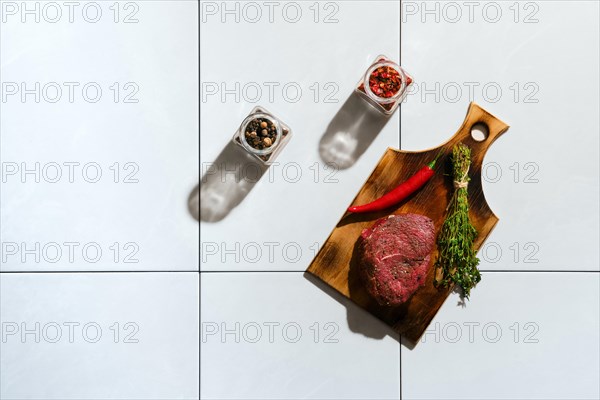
(262, 135)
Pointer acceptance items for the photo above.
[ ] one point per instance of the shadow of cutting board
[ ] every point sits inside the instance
(337, 262)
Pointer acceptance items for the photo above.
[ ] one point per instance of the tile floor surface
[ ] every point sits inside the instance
(108, 289)
(531, 329)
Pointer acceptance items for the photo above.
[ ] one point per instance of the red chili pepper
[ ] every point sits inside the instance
(400, 192)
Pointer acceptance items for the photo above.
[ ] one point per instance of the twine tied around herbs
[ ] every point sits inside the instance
(463, 182)
(460, 185)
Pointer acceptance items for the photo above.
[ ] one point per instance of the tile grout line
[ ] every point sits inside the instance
(400, 63)
(400, 147)
(0, 191)
(400, 365)
(199, 224)
(102, 272)
(484, 271)
(258, 271)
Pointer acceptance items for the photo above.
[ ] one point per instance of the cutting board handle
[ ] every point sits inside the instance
(477, 116)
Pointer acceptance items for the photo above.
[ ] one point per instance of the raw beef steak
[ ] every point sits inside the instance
(396, 253)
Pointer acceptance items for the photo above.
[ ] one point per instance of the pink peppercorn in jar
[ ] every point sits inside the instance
(384, 85)
(262, 135)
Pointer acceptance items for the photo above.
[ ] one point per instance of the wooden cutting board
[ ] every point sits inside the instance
(337, 261)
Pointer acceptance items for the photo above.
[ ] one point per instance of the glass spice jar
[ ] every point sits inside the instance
(262, 135)
(384, 85)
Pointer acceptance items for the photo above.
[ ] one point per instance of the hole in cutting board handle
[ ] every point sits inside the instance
(480, 132)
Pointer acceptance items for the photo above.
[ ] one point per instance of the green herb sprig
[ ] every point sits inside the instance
(457, 258)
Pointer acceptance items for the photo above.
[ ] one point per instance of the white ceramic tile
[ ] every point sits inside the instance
(151, 354)
(279, 222)
(316, 349)
(541, 177)
(153, 140)
(521, 336)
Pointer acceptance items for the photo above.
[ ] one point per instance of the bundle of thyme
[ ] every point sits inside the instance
(457, 258)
